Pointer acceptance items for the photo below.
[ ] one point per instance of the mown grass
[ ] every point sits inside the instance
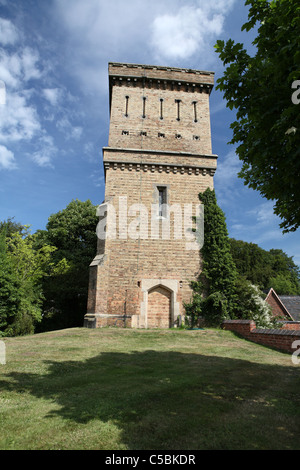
(145, 389)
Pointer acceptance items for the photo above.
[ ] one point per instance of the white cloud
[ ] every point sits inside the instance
(188, 31)
(44, 155)
(148, 31)
(228, 168)
(264, 214)
(18, 119)
(76, 132)
(53, 95)
(8, 32)
(29, 60)
(261, 225)
(7, 159)
(70, 131)
(17, 68)
(227, 184)
(100, 31)
(10, 69)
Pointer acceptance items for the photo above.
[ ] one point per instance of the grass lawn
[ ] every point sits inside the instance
(123, 389)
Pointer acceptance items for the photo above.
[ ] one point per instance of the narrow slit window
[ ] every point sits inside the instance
(162, 201)
(144, 106)
(178, 109)
(161, 108)
(126, 105)
(195, 111)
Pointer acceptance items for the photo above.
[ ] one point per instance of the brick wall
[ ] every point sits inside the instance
(151, 132)
(278, 309)
(151, 145)
(289, 325)
(128, 260)
(281, 339)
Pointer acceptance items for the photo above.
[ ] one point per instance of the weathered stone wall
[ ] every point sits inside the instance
(137, 161)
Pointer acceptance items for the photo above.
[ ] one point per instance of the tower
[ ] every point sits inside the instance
(158, 159)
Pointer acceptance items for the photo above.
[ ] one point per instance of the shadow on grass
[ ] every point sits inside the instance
(172, 400)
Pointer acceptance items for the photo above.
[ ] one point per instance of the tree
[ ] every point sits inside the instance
(22, 268)
(259, 88)
(214, 296)
(223, 291)
(72, 232)
(252, 262)
(11, 227)
(252, 305)
(283, 286)
(266, 269)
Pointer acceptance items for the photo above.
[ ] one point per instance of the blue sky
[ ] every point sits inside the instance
(54, 57)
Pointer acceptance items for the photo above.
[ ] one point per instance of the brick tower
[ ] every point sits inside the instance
(157, 161)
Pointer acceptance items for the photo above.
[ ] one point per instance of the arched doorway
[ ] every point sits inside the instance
(163, 309)
(159, 313)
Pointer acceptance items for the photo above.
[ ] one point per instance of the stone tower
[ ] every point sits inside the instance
(158, 159)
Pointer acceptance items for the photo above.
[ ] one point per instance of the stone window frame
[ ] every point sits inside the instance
(157, 186)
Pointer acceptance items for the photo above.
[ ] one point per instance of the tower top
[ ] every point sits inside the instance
(123, 65)
(160, 77)
(159, 108)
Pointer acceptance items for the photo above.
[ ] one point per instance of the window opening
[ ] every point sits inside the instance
(195, 111)
(162, 201)
(178, 109)
(126, 106)
(144, 106)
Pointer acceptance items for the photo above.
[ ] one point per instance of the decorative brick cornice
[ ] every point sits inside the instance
(160, 152)
(160, 77)
(159, 167)
(160, 84)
